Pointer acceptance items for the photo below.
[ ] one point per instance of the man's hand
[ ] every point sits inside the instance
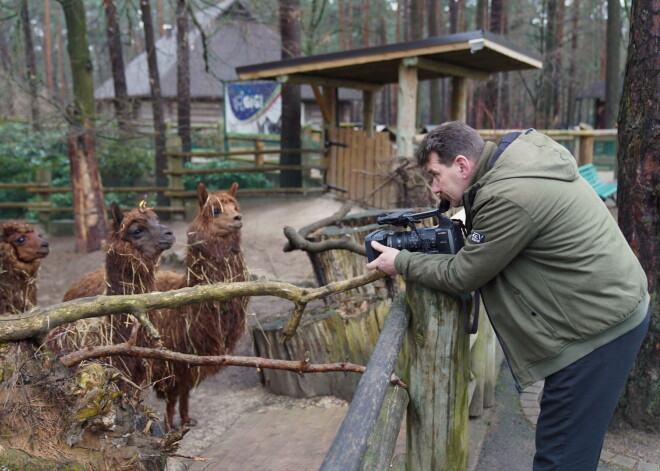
(385, 261)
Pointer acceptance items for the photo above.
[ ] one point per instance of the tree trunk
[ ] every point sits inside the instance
(366, 17)
(639, 200)
(290, 138)
(122, 107)
(156, 100)
(183, 75)
(5, 59)
(62, 86)
(613, 67)
(571, 117)
(30, 66)
(434, 85)
(88, 203)
(549, 73)
(48, 51)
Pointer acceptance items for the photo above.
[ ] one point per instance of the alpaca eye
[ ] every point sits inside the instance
(216, 211)
(137, 231)
(20, 240)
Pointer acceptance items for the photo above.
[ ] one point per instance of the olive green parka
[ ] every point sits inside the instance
(556, 275)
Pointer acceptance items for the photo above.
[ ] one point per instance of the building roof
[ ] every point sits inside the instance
(475, 54)
(234, 38)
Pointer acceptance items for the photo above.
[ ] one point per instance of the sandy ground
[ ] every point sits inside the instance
(221, 400)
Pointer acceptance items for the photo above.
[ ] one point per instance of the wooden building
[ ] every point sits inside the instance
(234, 38)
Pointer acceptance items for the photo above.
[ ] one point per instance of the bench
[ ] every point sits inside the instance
(604, 190)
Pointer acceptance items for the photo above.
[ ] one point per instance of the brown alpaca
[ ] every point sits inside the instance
(132, 255)
(21, 251)
(213, 255)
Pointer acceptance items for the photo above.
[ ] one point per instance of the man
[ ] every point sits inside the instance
(566, 295)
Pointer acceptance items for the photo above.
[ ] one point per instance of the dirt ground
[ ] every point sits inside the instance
(218, 402)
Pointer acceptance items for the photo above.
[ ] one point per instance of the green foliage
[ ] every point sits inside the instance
(122, 164)
(22, 152)
(222, 181)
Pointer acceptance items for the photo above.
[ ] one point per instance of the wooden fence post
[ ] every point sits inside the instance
(438, 348)
(175, 181)
(586, 150)
(44, 178)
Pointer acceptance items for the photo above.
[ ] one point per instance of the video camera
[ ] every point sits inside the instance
(446, 237)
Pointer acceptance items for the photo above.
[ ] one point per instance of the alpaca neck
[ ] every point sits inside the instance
(18, 290)
(215, 261)
(127, 274)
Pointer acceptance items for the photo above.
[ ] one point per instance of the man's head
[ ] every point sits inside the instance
(449, 153)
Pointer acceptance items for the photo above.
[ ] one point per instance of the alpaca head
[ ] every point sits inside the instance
(139, 231)
(23, 241)
(219, 212)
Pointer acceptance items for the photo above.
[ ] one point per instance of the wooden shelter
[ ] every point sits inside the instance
(461, 56)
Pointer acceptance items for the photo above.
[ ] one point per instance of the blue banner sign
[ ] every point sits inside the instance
(253, 109)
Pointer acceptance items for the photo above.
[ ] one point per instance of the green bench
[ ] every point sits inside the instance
(604, 190)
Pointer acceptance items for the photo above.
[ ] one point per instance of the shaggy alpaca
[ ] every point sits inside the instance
(132, 255)
(213, 255)
(21, 251)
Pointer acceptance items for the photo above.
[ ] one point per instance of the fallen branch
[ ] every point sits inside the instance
(296, 241)
(302, 366)
(38, 321)
(333, 219)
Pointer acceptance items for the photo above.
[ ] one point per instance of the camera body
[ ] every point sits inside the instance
(446, 237)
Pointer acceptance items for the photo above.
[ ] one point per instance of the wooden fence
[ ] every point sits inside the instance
(352, 165)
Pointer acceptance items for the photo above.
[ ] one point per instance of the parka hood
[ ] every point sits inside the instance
(531, 155)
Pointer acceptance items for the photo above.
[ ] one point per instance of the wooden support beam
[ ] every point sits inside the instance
(330, 99)
(407, 110)
(368, 105)
(330, 82)
(458, 99)
(322, 105)
(451, 70)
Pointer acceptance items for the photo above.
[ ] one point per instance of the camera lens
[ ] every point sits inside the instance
(403, 240)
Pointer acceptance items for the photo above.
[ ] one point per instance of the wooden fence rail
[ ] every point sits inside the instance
(436, 358)
(351, 443)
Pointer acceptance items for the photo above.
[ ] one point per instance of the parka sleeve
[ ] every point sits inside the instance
(501, 229)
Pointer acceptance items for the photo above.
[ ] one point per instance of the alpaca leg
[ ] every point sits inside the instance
(184, 410)
(169, 412)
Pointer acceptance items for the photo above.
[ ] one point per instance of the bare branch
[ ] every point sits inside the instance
(303, 232)
(40, 320)
(302, 366)
(296, 241)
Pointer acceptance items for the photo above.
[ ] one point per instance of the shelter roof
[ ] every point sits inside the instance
(474, 54)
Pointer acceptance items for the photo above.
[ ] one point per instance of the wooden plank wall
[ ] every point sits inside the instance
(361, 169)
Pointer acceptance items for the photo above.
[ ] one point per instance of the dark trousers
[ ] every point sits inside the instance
(578, 403)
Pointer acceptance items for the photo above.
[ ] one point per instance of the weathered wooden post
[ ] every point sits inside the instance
(483, 366)
(44, 179)
(438, 349)
(175, 180)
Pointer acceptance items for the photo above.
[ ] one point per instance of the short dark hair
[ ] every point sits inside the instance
(449, 140)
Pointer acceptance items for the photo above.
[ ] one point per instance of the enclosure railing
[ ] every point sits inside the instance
(581, 143)
(437, 360)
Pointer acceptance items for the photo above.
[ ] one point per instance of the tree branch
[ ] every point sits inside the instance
(40, 320)
(303, 232)
(302, 366)
(296, 241)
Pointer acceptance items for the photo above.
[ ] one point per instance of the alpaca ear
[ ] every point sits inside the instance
(117, 214)
(202, 194)
(232, 189)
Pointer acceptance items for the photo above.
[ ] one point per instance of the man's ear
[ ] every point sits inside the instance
(464, 166)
